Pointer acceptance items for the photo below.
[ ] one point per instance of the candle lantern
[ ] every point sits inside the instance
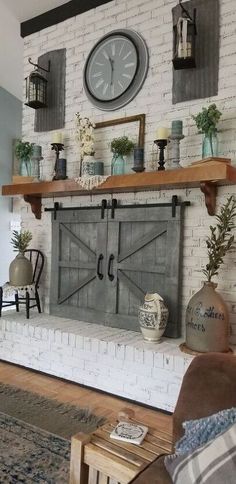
(185, 32)
(36, 88)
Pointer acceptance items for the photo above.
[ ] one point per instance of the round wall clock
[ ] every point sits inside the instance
(115, 69)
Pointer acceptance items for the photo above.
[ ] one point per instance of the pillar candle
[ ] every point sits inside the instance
(57, 138)
(177, 127)
(162, 133)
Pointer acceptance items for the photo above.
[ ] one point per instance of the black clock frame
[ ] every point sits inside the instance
(138, 80)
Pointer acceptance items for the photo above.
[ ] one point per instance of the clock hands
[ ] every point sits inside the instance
(112, 70)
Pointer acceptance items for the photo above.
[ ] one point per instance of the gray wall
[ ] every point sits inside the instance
(10, 128)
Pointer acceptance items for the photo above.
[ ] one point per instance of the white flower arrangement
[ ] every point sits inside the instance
(85, 135)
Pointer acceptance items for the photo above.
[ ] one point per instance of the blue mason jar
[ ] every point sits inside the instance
(117, 165)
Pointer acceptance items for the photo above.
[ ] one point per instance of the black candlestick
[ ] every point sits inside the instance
(57, 147)
(161, 143)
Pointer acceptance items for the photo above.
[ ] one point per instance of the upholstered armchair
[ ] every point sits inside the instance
(209, 385)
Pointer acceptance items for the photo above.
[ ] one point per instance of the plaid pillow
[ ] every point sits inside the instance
(212, 463)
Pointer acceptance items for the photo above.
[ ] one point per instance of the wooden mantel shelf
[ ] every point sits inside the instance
(207, 176)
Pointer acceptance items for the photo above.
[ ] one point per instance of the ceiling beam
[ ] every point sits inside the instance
(59, 14)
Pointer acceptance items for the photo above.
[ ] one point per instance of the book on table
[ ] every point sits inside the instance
(129, 432)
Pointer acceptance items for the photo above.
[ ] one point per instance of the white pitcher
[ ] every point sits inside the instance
(153, 317)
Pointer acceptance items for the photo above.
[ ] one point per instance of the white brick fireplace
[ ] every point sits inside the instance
(109, 359)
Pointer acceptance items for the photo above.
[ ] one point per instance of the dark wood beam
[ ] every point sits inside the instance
(59, 14)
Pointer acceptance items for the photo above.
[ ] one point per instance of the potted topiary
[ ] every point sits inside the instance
(20, 270)
(206, 122)
(207, 321)
(24, 151)
(120, 147)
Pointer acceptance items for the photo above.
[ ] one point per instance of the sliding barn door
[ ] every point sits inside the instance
(79, 240)
(143, 254)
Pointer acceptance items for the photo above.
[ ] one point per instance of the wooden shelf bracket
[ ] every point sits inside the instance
(210, 191)
(35, 203)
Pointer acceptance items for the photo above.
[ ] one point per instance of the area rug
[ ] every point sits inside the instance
(35, 436)
(61, 419)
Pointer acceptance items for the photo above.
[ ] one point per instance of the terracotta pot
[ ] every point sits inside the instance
(207, 321)
(20, 271)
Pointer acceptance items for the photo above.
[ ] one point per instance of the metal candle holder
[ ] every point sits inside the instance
(57, 147)
(161, 143)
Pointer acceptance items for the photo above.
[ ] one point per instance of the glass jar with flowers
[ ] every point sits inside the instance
(206, 122)
(120, 147)
(24, 151)
(207, 320)
(85, 136)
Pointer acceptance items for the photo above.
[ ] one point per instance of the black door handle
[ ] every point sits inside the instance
(110, 275)
(99, 273)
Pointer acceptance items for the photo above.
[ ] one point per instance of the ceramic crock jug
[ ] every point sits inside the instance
(153, 317)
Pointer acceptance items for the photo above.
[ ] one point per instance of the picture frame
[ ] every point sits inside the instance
(127, 119)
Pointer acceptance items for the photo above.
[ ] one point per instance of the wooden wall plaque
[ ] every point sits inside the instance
(202, 81)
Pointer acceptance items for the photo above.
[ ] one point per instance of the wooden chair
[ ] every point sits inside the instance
(36, 257)
(97, 459)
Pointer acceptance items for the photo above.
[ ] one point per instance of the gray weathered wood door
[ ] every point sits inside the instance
(143, 247)
(79, 240)
(103, 267)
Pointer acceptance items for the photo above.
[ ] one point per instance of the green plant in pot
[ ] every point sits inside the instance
(24, 151)
(120, 147)
(207, 320)
(206, 122)
(20, 270)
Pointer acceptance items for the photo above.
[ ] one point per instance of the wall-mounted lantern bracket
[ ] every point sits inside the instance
(38, 66)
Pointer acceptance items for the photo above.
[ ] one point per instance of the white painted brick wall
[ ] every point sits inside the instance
(151, 18)
(110, 359)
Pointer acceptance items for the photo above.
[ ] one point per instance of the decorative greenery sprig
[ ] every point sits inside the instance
(122, 146)
(220, 240)
(24, 150)
(207, 120)
(21, 240)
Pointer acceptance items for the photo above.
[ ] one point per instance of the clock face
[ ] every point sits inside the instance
(115, 69)
(111, 68)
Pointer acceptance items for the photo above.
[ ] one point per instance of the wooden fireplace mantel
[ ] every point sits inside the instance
(207, 176)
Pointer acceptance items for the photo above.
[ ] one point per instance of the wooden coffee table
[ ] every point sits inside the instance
(98, 459)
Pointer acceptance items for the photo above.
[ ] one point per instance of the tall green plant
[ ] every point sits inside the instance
(21, 240)
(221, 239)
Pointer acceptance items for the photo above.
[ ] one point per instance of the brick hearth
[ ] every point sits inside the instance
(109, 359)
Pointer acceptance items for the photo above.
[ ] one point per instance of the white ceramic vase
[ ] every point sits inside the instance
(153, 317)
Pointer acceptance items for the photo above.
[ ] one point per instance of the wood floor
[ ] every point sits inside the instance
(99, 403)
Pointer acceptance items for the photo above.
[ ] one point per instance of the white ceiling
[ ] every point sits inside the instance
(27, 9)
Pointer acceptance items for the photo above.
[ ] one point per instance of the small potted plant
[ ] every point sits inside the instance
(20, 270)
(120, 147)
(24, 151)
(206, 122)
(207, 321)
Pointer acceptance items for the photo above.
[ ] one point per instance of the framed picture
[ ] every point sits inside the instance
(106, 131)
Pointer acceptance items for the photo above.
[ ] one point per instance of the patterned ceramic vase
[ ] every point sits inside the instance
(88, 165)
(207, 321)
(153, 317)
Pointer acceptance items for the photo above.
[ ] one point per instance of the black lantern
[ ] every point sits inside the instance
(36, 88)
(184, 40)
